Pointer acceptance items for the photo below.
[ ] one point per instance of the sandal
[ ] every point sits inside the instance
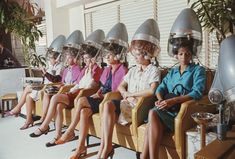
(70, 138)
(26, 126)
(80, 154)
(41, 132)
(10, 113)
(51, 143)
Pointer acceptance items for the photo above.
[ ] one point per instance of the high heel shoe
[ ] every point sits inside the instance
(81, 154)
(51, 143)
(69, 138)
(26, 126)
(110, 154)
(10, 113)
(41, 132)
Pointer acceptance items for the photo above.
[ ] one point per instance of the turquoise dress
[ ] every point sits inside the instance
(191, 82)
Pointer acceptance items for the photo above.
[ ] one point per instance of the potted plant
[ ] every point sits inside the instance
(216, 15)
(16, 17)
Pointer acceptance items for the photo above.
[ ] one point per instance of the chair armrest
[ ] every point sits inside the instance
(109, 96)
(184, 121)
(65, 88)
(140, 111)
(86, 93)
(54, 84)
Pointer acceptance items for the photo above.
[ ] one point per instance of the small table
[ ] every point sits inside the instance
(6, 98)
(219, 149)
(194, 141)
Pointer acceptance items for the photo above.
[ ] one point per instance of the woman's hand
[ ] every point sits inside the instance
(42, 69)
(126, 94)
(165, 104)
(98, 94)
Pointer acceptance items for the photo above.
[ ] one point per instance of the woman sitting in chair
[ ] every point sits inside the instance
(181, 84)
(70, 76)
(140, 81)
(51, 74)
(110, 79)
(88, 78)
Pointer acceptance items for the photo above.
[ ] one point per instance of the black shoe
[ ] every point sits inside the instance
(41, 132)
(51, 143)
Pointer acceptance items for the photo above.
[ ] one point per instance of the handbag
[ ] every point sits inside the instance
(167, 116)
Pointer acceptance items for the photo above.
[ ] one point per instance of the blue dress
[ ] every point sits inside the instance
(191, 82)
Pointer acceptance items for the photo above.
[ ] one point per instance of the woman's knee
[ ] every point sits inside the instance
(85, 113)
(28, 89)
(59, 107)
(109, 107)
(152, 115)
(81, 101)
(55, 98)
(28, 98)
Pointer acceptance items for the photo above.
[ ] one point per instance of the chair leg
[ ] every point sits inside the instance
(137, 155)
(87, 139)
(2, 111)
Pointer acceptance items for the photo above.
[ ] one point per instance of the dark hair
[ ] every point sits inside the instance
(88, 49)
(72, 51)
(182, 42)
(113, 47)
(54, 54)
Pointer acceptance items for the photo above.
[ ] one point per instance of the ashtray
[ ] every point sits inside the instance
(202, 117)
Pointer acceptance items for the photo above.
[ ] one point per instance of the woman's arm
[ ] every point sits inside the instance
(145, 92)
(51, 78)
(122, 88)
(165, 104)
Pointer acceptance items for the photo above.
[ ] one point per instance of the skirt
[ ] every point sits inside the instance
(167, 117)
(72, 97)
(94, 103)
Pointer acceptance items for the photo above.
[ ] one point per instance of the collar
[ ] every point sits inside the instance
(147, 68)
(71, 67)
(118, 66)
(189, 68)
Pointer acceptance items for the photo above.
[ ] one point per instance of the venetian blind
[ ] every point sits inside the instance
(133, 13)
(41, 44)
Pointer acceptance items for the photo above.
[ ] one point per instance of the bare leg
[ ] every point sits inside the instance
(58, 98)
(80, 104)
(155, 133)
(145, 152)
(101, 142)
(45, 105)
(85, 115)
(108, 120)
(29, 110)
(59, 119)
(22, 100)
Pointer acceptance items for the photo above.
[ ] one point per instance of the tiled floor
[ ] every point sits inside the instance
(16, 144)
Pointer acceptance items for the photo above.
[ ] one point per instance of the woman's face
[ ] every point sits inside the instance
(111, 58)
(184, 56)
(87, 59)
(70, 60)
(52, 60)
(139, 56)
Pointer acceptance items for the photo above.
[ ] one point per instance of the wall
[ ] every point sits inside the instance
(57, 20)
(76, 19)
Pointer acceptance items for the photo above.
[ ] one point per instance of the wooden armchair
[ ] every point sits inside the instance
(174, 144)
(125, 136)
(82, 93)
(63, 89)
